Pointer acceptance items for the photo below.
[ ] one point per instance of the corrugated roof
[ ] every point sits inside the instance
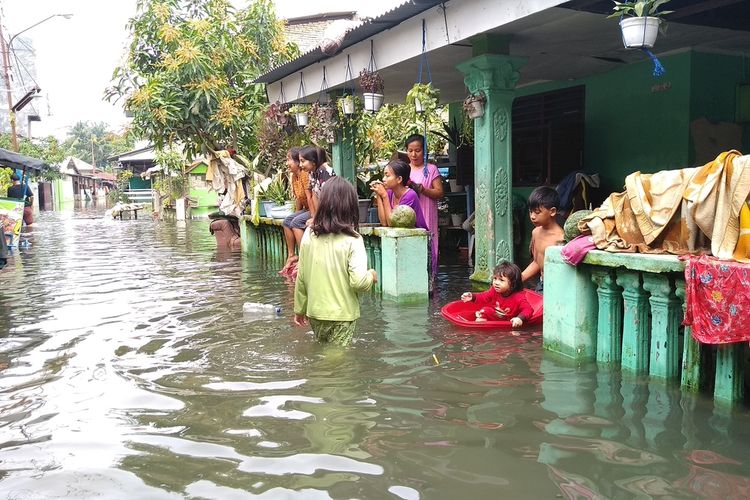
(378, 24)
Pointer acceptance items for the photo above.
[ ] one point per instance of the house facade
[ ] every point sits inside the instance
(562, 93)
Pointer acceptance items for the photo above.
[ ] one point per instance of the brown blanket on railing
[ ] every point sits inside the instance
(675, 211)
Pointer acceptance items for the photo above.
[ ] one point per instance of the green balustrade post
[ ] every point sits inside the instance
(691, 350)
(729, 388)
(664, 359)
(495, 76)
(609, 326)
(570, 311)
(404, 262)
(635, 327)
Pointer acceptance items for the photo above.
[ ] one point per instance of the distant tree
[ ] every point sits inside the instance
(48, 150)
(189, 71)
(94, 143)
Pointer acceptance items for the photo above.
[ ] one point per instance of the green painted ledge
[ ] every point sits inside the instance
(650, 263)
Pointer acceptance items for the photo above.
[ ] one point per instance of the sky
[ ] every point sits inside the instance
(75, 57)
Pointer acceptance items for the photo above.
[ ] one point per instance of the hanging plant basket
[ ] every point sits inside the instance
(474, 105)
(639, 32)
(301, 119)
(418, 107)
(347, 105)
(372, 101)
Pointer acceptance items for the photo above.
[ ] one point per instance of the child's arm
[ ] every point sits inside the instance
(311, 202)
(484, 298)
(531, 270)
(360, 278)
(525, 311)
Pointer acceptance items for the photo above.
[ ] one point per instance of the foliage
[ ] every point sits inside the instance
(189, 71)
(278, 190)
(277, 132)
(49, 150)
(371, 81)
(428, 96)
(321, 125)
(471, 98)
(643, 8)
(299, 108)
(94, 143)
(172, 183)
(121, 183)
(365, 176)
(456, 135)
(5, 181)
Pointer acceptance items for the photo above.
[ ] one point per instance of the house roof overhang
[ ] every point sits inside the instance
(559, 40)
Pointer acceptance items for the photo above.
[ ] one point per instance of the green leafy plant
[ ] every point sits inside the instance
(644, 8)
(371, 81)
(427, 95)
(278, 190)
(321, 126)
(299, 108)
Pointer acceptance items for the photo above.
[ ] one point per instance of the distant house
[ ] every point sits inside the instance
(80, 180)
(136, 162)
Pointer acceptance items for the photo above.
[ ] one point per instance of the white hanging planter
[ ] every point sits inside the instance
(347, 105)
(639, 32)
(301, 119)
(418, 107)
(475, 109)
(373, 102)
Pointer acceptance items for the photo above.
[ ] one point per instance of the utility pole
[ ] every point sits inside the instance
(8, 90)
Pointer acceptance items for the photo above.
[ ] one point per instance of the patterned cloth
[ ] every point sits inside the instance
(300, 183)
(716, 294)
(333, 332)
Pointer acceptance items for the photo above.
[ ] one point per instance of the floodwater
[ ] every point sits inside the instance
(127, 370)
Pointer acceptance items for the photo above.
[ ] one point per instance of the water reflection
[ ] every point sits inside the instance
(127, 369)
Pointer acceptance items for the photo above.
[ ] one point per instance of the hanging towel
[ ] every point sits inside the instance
(717, 299)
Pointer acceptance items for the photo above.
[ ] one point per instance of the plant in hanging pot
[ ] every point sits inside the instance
(347, 104)
(300, 113)
(372, 89)
(424, 97)
(321, 127)
(474, 105)
(640, 22)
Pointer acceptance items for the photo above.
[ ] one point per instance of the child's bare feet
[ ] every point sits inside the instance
(289, 261)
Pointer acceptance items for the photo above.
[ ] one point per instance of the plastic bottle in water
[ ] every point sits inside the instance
(260, 309)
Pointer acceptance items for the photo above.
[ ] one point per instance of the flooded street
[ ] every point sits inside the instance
(127, 370)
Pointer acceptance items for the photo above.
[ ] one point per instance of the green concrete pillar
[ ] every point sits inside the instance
(635, 327)
(404, 264)
(570, 312)
(664, 361)
(729, 388)
(343, 157)
(691, 350)
(495, 76)
(609, 326)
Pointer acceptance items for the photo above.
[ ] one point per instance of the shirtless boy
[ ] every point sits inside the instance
(543, 203)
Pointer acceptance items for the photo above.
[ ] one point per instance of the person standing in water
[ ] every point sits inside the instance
(427, 182)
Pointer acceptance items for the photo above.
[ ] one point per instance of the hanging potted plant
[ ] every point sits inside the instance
(372, 89)
(424, 97)
(300, 114)
(474, 105)
(322, 126)
(640, 22)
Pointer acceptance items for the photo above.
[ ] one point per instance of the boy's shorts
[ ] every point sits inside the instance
(334, 332)
(297, 220)
(540, 287)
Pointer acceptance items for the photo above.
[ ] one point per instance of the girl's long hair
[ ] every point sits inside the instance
(512, 272)
(338, 209)
(311, 153)
(400, 169)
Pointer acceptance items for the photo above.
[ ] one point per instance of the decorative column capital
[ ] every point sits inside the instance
(605, 280)
(491, 72)
(659, 286)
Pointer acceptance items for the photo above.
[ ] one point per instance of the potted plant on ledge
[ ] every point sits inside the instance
(474, 105)
(423, 96)
(640, 22)
(372, 89)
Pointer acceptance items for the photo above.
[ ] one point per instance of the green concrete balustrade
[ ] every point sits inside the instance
(398, 255)
(627, 309)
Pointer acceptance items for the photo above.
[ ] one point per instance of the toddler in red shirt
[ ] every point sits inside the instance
(505, 299)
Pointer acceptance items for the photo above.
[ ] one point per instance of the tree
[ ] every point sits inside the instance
(189, 71)
(94, 143)
(48, 150)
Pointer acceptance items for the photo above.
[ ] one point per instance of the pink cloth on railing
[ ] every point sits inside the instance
(717, 297)
(576, 249)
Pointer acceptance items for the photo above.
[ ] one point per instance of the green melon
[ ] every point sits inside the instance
(403, 216)
(571, 224)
